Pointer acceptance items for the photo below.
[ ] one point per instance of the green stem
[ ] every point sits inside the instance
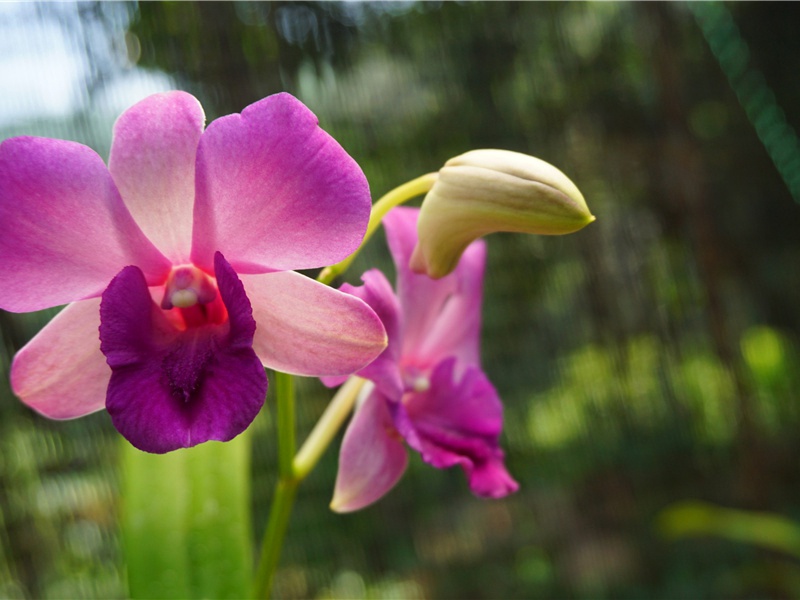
(283, 498)
(299, 468)
(279, 515)
(284, 394)
(399, 195)
(292, 470)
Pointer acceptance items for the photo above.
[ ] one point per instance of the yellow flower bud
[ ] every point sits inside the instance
(483, 191)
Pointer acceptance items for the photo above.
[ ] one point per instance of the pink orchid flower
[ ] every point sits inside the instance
(180, 254)
(427, 387)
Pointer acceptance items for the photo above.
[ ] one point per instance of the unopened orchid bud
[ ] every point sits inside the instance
(483, 191)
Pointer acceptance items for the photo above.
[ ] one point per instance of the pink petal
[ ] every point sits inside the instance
(458, 422)
(152, 162)
(442, 317)
(372, 458)
(306, 328)
(490, 479)
(456, 331)
(61, 372)
(64, 231)
(384, 371)
(275, 192)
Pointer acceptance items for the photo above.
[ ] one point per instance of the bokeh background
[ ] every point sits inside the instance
(648, 364)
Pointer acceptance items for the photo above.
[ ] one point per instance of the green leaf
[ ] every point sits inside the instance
(186, 521)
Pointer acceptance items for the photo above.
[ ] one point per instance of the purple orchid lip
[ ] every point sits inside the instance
(267, 188)
(429, 388)
(173, 388)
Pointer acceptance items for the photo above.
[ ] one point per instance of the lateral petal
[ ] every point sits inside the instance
(172, 389)
(441, 317)
(152, 161)
(61, 372)
(275, 192)
(307, 328)
(64, 230)
(456, 331)
(372, 457)
(384, 371)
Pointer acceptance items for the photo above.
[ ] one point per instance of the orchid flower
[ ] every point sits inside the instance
(427, 387)
(180, 254)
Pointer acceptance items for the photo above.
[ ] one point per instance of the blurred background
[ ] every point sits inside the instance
(648, 364)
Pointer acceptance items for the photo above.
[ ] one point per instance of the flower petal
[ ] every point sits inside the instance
(307, 328)
(275, 192)
(456, 331)
(64, 230)
(172, 389)
(441, 317)
(372, 458)
(152, 161)
(384, 371)
(458, 423)
(61, 372)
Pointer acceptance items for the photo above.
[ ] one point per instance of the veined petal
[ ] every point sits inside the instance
(64, 230)
(456, 331)
(384, 371)
(458, 423)
(372, 457)
(174, 389)
(306, 328)
(441, 317)
(275, 192)
(152, 161)
(61, 372)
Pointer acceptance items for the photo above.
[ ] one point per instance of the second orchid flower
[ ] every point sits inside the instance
(427, 388)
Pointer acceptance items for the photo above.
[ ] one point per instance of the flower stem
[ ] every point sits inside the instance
(399, 195)
(327, 426)
(284, 394)
(292, 470)
(283, 497)
(279, 515)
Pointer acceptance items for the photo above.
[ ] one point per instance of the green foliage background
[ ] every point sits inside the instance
(648, 360)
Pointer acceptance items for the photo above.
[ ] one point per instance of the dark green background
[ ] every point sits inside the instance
(649, 359)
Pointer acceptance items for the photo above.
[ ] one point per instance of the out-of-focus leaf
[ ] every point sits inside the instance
(694, 519)
(186, 521)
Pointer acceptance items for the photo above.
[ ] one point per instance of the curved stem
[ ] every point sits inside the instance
(399, 195)
(329, 423)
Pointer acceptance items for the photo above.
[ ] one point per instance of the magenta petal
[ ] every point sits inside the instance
(275, 192)
(152, 162)
(372, 457)
(458, 423)
(61, 372)
(64, 230)
(490, 479)
(441, 317)
(172, 389)
(384, 371)
(306, 328)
